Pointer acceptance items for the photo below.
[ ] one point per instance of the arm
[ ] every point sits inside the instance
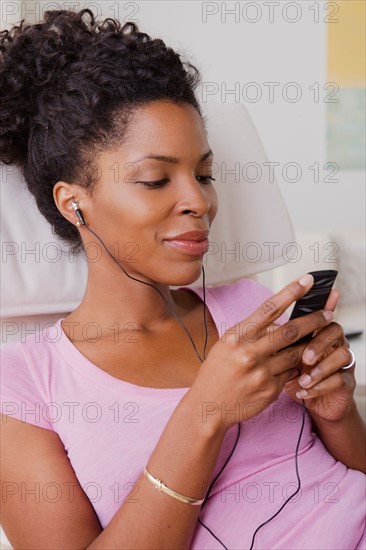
(331, 405)
(344, 439)
(333, 410)
(328, 394)
(184, 458)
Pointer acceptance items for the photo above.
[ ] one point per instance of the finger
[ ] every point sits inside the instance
(250, 328)
(331, 302)
(327, 338)
(286, 377)
(288, 333)
(269, 329)
(334, 382)
(286, 359)
(332, 299)
(326, 368)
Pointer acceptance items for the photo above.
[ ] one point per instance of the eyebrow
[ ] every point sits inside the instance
(172, 160)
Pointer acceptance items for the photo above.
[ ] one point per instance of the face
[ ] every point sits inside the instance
(140, 203)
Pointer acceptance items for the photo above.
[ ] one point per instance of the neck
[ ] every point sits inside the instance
(115, 303)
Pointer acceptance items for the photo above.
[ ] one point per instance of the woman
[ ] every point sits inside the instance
(116, 397)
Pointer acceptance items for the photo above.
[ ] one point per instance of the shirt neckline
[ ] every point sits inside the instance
(92, 372)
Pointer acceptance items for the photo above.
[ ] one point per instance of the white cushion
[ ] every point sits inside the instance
(38, 273)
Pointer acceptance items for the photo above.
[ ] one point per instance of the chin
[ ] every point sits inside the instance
(185, 277)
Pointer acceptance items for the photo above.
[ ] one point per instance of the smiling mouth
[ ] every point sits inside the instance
(196, 248)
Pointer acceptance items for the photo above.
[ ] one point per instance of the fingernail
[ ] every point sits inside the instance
(305, 380)
(302, 393)
(308, 356)
(328, 315)
(306, 280)
(315, 372)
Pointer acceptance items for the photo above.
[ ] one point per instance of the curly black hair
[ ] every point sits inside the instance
(69, 87)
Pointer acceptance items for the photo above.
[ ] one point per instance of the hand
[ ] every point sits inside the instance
(328, 394)
(247, 368)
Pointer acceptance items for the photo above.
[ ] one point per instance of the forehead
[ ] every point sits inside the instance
(156, 129)
(167, 126)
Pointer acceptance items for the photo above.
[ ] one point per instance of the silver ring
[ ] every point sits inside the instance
(351, 363)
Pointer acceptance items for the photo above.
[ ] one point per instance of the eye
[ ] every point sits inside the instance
(207, 178)
(161, 183)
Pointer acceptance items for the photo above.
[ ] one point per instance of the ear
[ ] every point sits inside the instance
(63, 194)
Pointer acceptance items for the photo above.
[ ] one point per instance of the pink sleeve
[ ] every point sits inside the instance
(19, 395)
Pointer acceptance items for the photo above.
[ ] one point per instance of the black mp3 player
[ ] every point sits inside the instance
(315, 298)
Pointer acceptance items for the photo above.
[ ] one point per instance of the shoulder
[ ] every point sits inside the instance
(13, 363)
(22, 391)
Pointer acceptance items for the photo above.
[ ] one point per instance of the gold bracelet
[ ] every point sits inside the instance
(160, 486)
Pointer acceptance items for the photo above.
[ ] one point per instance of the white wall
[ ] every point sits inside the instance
(232, 52)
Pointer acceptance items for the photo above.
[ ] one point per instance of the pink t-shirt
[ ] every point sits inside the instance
(110, 427)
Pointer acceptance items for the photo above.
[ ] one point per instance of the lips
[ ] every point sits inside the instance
(190, 236)
(193, 242)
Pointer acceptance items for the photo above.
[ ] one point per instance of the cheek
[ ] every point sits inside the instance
(214, 203)
(133, 219)
(130, 211)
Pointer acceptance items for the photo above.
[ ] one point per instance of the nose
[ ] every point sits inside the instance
(197, 197)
